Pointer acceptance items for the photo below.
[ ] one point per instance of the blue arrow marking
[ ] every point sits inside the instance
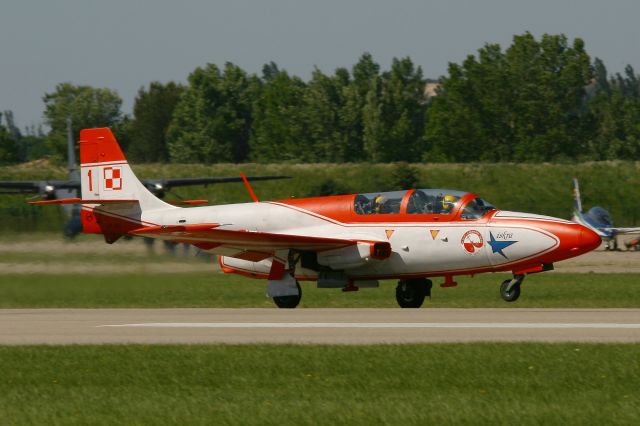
(498, 246)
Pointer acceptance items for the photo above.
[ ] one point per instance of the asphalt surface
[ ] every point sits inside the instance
(334, 326)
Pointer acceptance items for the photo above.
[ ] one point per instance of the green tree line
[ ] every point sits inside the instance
(537, 100)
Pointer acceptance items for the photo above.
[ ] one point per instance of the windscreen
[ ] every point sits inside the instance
(475, 209)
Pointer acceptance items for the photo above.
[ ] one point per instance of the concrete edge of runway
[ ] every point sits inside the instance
(316, 326)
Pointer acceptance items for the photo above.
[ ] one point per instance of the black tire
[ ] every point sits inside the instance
(288, 302)
(411, 293)
(511, 295)
(427, 285)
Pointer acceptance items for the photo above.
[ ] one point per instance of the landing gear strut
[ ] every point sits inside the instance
(284, 297)
(411, 293)
(510, 289)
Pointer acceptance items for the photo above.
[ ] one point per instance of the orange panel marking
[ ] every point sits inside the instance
(99, 146)
(434, 233)
(253, 195)
(277, 270)
(389, 233)
(448, 282)
(253, 256)
(204, 246)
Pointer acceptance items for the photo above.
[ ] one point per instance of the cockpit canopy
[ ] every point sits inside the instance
(421, 201)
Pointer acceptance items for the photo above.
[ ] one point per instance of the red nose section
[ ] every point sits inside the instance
(574, 240)
(589, 240)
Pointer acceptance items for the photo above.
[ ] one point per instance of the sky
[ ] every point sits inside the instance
(126, 44)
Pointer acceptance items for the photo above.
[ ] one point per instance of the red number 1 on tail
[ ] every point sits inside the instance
(90, 180)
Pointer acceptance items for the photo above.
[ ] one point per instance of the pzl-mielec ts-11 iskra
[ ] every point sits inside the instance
(344, 241)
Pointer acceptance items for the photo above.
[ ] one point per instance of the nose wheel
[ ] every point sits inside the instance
(510, 289)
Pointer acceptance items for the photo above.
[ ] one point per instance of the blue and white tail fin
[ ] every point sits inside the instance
(577, 201)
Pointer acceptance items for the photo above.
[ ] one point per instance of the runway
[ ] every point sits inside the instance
(332, 326)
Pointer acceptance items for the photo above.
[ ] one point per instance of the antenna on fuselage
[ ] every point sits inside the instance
(248, 185)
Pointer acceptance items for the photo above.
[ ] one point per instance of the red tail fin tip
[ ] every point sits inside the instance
(99, 146)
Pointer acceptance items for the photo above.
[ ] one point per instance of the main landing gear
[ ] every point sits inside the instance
(289, 302)
(411, 293)
(510, 289)
(282, 286)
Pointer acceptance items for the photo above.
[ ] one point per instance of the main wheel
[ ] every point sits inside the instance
(288, 302)
(510, 295)
(411, 293)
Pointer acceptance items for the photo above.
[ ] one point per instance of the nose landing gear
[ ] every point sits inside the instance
(510, 289)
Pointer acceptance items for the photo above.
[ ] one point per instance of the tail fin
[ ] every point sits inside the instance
(106, 174)
(577, 202)
(106, 178)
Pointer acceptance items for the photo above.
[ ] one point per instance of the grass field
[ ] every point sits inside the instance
(214, 289)
(523, 384)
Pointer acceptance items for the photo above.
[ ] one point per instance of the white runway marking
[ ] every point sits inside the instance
(379, 325)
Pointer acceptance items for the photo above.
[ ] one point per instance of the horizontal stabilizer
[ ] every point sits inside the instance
(81, 201)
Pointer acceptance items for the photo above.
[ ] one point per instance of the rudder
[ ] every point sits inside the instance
(106, 174)
(106, 177)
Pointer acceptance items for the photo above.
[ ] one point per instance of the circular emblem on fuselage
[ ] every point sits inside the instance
(472, 241)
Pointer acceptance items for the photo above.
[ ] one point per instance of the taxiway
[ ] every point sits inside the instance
(332, 326)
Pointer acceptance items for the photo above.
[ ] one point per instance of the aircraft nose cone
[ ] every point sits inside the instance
(578, 239)
(589, 240)
(573, 239)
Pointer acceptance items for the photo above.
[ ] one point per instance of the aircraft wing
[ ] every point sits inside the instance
(35, 186)
(256, 246)
(242, 239)
(47, 188)
(170, 183)
(621, 231)
(17, 187)
(207, 181)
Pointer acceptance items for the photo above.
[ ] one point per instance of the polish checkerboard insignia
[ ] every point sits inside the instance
(112, 178)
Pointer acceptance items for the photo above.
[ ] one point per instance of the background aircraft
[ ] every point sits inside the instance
(598, 220)
(59, 189)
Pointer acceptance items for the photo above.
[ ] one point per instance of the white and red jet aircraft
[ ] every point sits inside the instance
(344, 241)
